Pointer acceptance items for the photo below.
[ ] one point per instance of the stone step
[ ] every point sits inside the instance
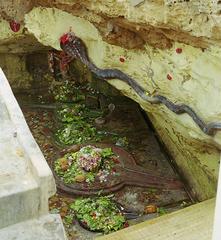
(47, 227)
(26, 181)
(18, 202)
(19, 190)
(191, 223)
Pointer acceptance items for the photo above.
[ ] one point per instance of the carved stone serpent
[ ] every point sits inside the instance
(76, 48)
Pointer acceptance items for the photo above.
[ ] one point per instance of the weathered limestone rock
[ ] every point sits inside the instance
(17, 42)
(159, 22)
(170, 47)
(15, 68)
(194, 75)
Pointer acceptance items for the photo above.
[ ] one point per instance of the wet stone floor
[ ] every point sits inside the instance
(136, 137)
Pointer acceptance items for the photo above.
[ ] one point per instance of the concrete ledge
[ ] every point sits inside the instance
(26, 181)
(48, 227)
(20, 205)
(34, 161)
(192, 223)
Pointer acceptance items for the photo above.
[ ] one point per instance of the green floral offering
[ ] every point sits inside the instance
(87, 165)
(98, 214)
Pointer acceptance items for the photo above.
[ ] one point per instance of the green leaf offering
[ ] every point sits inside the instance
(99, 214)
(86, 165)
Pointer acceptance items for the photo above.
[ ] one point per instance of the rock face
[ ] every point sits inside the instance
(171, 48)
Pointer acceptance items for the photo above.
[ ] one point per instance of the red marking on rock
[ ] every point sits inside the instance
(15, 26)
(122, 59)
(169, 77)
(64, 38)
(179, 50)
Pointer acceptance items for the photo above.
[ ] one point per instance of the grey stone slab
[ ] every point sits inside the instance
(191, 223)
(48, 227)
(26, 181)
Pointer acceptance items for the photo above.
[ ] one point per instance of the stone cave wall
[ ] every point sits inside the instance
(171, 48)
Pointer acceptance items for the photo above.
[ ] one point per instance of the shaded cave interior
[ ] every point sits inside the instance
(130, 125)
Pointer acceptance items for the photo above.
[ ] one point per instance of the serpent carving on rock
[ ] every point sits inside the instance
(75, 48)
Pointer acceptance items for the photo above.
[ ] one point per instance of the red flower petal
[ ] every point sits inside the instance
(126, 224)
(115, 160)
(64, 38)
(179, 50)
(15, 26)
(122, 59)
(169, 77)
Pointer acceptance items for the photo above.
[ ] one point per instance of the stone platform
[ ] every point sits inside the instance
(47, 227)
(192, 223)
(26, 181)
